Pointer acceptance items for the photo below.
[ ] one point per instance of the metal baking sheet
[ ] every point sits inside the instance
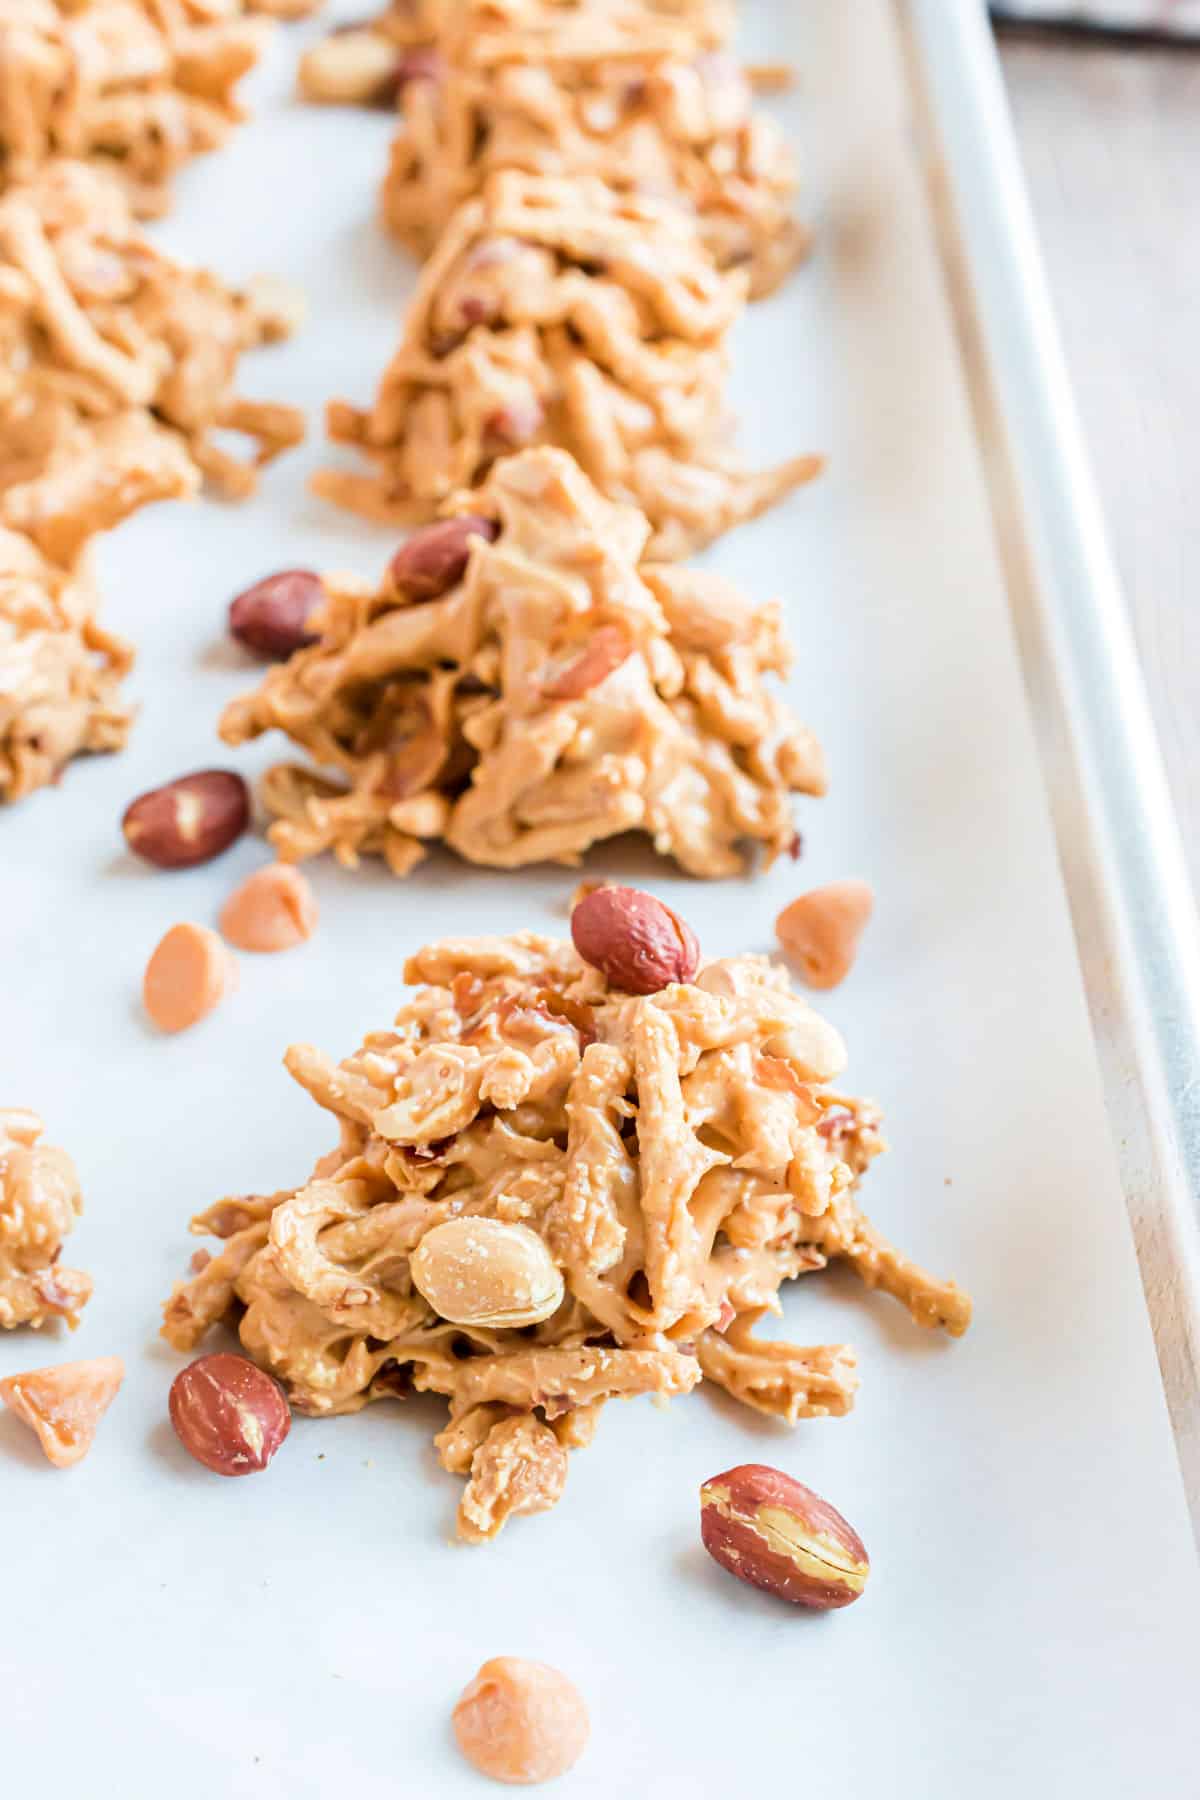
(1119, 849)
(1031, 1615)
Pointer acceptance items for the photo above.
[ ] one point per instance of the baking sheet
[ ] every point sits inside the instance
(1132, 906)
(1031, 1614)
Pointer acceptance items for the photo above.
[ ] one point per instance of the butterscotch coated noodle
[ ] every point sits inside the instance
(679, 1156)
(137, 87)
(60, 671)
(118, 365)
(549, 695)
(280, 9)
(646, 101)
(39, 1203)
(372, 60)
(555, 311)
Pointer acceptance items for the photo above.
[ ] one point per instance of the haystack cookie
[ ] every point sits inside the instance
(519, 688)
(120, 363)
(551, 1191)
(555, 311)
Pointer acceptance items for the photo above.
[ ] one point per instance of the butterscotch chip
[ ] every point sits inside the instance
(274, 909)
(820, 930)
(521, 1722)
(189, 973)
(65, 1404)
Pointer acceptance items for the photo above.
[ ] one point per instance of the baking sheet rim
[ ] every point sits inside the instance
(1118, 840)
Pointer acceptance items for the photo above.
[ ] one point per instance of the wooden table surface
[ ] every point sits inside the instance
(1111, 142)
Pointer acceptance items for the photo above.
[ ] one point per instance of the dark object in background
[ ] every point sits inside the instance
(1145, 21)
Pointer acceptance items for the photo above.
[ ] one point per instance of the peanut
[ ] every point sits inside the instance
(771, 1531)
(65, 1404)
(419, 63)
(273, 909)
(820, 930)
(606, 650)
(272, 617)
(435, 558)
(478, 1271)
(348, 68)
(638, 944)
(517, 423)
(229, 1414)
(189, 973)
(189, 820)
(521, 1722)
(492, 252)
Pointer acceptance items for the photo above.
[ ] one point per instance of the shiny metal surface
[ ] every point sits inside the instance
(1119, 844)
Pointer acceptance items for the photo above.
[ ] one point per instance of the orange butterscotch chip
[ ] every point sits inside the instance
(273, 909)
(65, 1404)
(820, 931)
(189, 973)
(521, 1722)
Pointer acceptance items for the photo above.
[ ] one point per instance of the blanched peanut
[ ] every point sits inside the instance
(273, 909)
(65, 1404)
(521, 1722)
(487, 1272)
(189, 973)
(348, 68)
(819, 932)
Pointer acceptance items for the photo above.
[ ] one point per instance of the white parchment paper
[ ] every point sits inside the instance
(1030, 1623)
